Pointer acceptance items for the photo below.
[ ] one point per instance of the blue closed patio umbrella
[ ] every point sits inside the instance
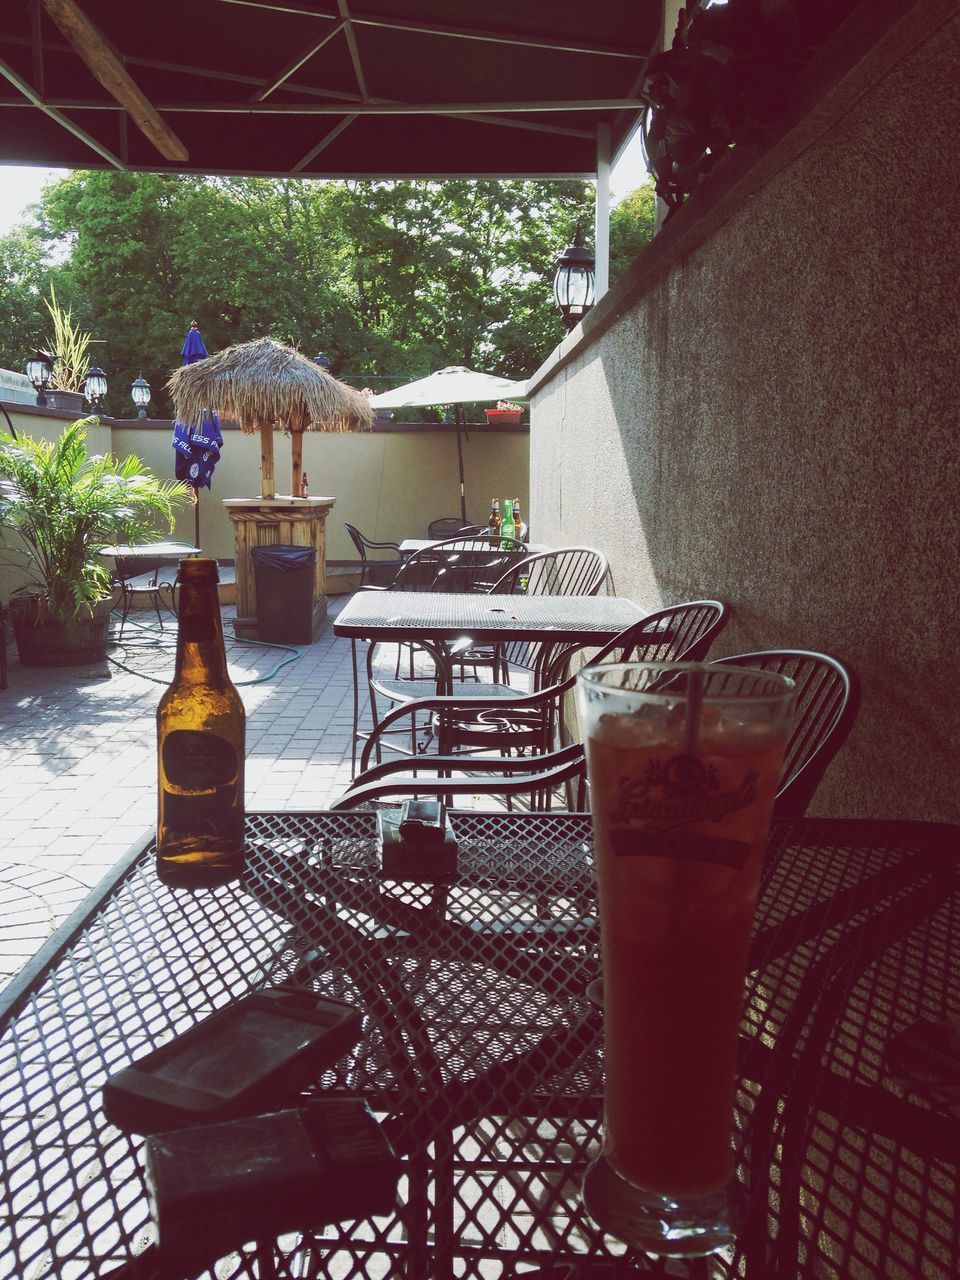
(196, 448)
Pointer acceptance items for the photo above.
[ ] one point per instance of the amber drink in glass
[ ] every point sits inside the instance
(683, 761)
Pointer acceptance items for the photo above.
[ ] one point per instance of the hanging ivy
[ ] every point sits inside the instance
(725, 80)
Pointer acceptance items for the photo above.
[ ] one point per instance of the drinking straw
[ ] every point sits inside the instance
(694, 702)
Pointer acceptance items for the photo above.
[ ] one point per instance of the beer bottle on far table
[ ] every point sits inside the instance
(200, 746)
(506, 526)
(304, 487)
(517, 522)
(495, 517)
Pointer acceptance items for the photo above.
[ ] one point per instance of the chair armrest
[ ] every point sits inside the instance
(507, 776)
(453, 705)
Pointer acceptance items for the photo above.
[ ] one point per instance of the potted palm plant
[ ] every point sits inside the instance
(62, 505)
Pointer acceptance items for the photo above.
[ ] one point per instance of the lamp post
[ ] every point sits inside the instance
(574, 286)
(140, 391)
(95, 386)
(39, 371)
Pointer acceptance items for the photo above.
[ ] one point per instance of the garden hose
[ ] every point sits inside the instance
(293, 655)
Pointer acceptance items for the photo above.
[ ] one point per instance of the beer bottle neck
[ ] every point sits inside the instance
(201, 658)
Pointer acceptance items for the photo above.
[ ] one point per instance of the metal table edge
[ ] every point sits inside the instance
(15, 994)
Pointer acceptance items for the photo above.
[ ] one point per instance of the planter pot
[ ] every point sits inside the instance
(43, 641)
(502, 415)
(72, 401)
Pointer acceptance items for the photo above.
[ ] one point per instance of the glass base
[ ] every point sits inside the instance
(669, 1227)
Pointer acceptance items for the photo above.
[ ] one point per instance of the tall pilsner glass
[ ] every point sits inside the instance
(683, 761)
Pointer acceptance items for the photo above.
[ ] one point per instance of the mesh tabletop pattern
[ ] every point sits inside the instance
(398, 615)
(481, 1052)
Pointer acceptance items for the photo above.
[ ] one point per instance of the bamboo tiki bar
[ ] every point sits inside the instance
(296, 462)
(268, 487)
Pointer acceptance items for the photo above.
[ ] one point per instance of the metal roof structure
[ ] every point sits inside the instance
(323, 88)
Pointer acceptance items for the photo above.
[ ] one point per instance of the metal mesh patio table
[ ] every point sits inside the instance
(481, 1051)
(434, 619)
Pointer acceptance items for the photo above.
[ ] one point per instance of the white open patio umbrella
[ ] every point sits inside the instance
(458, 386)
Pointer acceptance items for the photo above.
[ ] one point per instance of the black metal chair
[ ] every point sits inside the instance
(828, 701)
(375, 571)
(567, 571)
(447, 526)
(139, 576)
(510, 722)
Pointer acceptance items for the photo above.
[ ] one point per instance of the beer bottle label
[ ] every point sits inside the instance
(195, 761)
(203, 815)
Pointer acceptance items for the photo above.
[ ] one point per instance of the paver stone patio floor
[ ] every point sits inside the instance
(78, 760)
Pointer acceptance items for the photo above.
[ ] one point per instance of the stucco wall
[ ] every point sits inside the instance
(774, 421)
(389, 484)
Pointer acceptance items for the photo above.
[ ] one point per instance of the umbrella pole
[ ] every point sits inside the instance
(296, 465)
(463, 501)
(268, 488)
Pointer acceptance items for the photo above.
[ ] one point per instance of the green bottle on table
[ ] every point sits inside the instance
(507, 527)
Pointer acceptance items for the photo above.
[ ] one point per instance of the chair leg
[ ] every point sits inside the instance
(126, 609)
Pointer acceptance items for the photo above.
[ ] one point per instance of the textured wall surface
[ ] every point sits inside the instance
(390, 484)
(775, 422)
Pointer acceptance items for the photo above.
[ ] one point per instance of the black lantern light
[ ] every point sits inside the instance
(323, 361)
(95, 385)
(39, 371)
(574, 288)
(140, 391)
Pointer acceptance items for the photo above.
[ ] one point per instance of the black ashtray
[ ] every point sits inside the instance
(416, 842)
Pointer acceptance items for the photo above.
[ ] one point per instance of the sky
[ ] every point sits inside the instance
(20, 187)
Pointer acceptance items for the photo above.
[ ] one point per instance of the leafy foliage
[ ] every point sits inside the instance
(70, 348)
(724, 80)
(23, 276)
(64, 504)
(632, 224)
(392, 280)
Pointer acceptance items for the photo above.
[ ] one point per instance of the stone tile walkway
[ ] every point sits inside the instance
(78, 760)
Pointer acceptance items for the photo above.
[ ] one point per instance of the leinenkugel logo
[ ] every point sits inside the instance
(670, 796)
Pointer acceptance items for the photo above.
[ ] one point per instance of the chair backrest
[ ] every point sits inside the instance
(370, 564)
(128, 567)
(828, 699)
(565, 571)
(447, 526)
(678, 633)
(469, 562)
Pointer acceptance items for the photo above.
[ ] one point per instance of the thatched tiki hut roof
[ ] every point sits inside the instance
(267, 386)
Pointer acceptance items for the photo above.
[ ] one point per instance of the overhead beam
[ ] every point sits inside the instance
(330, 136)
(377, 108)
(354, 50)
(34, 100)
(107, 68)
(256, 82)
(295, 65)
(491, 36)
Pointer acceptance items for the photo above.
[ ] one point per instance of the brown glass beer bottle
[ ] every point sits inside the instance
(200, 746)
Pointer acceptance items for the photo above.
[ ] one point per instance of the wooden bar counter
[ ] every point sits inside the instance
(267, 522)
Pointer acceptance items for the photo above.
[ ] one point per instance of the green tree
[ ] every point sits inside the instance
(390, 279)
(631, 227)
(23, 276)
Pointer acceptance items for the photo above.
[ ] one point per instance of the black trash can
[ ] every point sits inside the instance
(284, 581)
